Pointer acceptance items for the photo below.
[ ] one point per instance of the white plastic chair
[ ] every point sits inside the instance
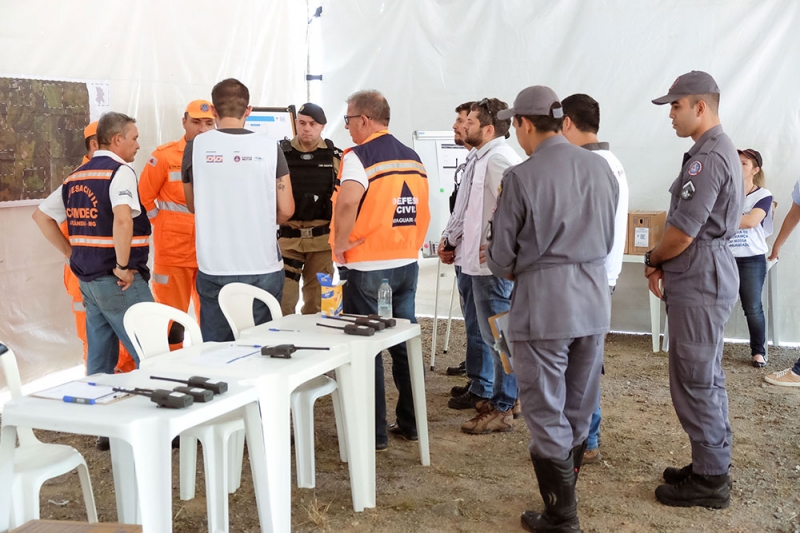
(236, 302)
(147, 324)
(35, 462)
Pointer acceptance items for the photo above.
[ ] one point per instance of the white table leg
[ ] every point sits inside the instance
(8, 444)
(257, 453)
(655, 320)
(273, 399)
(435, 313)
(124, 473)
(360, 446)
(152, 452)
(416, 365)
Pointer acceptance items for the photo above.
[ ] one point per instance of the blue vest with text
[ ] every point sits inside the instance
(90, 222)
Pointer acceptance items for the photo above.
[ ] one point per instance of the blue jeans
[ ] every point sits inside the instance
(492, 296)
(593, 440)
(213, 324)
(360, 296)
(480, 368)
(106, 303)
(752, 272)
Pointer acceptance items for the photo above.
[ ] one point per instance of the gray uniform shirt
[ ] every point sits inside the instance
(553, 228)
(706, 204)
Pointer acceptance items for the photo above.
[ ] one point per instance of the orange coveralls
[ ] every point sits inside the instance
(175, 260)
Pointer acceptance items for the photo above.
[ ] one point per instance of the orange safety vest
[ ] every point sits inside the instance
(394, 214)
(173, 224)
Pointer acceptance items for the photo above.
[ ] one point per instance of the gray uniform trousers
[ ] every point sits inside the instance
(697, 383)
(559, 383)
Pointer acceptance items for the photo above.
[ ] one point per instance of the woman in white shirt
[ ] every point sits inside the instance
(749, 246)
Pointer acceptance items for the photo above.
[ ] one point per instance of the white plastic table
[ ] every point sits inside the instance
(273, 380)
(360, 410)
(141, 435)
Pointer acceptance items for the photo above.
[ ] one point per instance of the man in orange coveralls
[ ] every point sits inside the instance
(161, 194)
(125, 362)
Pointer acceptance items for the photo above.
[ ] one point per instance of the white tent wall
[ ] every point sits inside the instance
(429, 56)
(157, 56)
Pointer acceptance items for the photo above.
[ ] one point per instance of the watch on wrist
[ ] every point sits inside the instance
(126, 267)
(647, 259)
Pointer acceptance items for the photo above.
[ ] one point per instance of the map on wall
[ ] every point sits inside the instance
(41, 132)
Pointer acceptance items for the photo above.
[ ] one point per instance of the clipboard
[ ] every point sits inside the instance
(499, 325)
(91, 394)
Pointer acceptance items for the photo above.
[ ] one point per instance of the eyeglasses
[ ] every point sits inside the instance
(348, 117)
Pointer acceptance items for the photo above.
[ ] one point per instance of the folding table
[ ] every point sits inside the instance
(141, 435)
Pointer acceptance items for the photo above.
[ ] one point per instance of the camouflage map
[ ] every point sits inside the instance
(41, 135)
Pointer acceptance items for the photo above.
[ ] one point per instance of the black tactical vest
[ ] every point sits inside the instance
(313, 179)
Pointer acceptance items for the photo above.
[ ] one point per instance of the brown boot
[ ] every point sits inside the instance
(489, 421)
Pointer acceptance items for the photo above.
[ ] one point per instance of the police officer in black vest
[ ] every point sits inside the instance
(314, 168)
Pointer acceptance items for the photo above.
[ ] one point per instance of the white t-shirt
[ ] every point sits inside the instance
(614, 259)
(121, 191)
(352, 169)
(235, 203)
(748, 242)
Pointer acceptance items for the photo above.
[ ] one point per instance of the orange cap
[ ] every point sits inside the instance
(90, 130)
(199, 109)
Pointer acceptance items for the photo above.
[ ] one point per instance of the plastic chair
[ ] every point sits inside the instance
(236, 302)
(147, 324)
(35, 462)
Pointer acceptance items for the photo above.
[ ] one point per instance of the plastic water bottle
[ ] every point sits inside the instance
(385, 299)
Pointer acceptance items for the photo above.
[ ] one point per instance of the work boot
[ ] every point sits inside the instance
(557, 487)
(673, 475)
(592, 456)
(490, 420)
(712, 492)
(459, 370)
(458, 390)
(516, 409)
(465, 401)
(577, 457)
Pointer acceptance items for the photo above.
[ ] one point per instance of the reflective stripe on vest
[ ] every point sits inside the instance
(78, 307)
(172, 206)
(175, 175)
(105, 242)
(395, 167)
(153, 213)
(90, 175)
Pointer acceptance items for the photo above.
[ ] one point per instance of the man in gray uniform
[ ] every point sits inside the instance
(551, 233)
(700, 284)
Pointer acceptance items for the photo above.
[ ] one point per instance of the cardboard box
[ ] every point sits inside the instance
(645, 229)
(58, 526)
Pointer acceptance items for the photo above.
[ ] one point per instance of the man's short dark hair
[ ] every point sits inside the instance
(372, 104)
(711, 100)
(111, 124)
(487, 115)
(88, 142)
(466, 106)
(583, 111)
(230, 98)
(542, 123)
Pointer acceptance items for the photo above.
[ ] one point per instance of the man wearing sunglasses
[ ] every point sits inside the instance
(380, 216)
(492, 392)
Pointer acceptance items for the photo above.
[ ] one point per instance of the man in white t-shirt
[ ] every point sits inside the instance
(109, 238)
(580, 127)
(236, 182)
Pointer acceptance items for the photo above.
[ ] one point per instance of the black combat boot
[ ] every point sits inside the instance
(673, 475)
(557, 487)
(577, 457)
(713, 492)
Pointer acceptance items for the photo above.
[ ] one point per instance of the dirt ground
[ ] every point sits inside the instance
(483, 483)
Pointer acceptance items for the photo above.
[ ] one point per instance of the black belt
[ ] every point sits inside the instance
(305, 233)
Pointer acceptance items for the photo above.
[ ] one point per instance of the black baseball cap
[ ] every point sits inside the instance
(694, 82)
(314, 111)
(754, 155)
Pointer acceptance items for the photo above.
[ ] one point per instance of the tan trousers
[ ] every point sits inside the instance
(304, 258)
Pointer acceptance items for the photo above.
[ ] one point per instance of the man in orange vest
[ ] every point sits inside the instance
(380, 217)
(125, 362)
(161, 194)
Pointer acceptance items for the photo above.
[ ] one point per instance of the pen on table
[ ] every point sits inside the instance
(242, 356)
(290, 330)
(74, 399)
